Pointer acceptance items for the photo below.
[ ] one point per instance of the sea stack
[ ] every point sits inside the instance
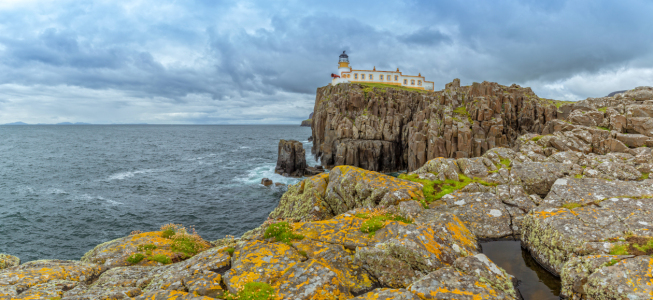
(292, 159)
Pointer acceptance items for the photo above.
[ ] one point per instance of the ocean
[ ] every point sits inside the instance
(66, 189)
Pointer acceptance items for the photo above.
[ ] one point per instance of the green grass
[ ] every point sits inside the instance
(571, 205)
(230, 250)
(636, 245)
(303, 253)
(644, 247)
(376, 222)
(462, 110)
(619, 250)
(253, 291)
(537, 138)
(644, 176)
(612, 262)
(603, 128)
(436, 189)
(385, 86)
(281, 232)
(135, 258)
(603, 109)
(160, 258)
(578, 176)
(506, 162)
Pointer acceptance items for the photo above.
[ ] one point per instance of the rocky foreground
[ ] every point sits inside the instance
(575, 192)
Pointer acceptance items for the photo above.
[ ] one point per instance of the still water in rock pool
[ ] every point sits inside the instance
(535, 283)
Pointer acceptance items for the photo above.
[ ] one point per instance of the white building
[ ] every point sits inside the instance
(347, 74)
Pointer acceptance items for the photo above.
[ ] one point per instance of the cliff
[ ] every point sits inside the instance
(385, 128)
(308, 122)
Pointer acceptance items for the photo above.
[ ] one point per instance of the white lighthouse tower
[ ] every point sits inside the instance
(343, 67)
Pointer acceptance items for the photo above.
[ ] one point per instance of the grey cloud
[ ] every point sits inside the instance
(212, 62)
(426, 37)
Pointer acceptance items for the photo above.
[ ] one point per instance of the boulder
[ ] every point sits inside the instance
(471, 277)
(291, 160)
(484, 214)
(165, 295)
(594, 225)
(311, 280)
(608, 277)
(266, 182)
(388, 294)
(115, 253)
(116, 283)
(8, 261)
(177, 276)
(19, 279)
(344, 188)
(258, 261)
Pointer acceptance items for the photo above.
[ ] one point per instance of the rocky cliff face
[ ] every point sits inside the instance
(388, 129)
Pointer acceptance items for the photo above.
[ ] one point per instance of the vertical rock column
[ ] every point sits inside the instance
(292, 159)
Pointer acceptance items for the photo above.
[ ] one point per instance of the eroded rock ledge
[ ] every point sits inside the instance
(388, 129)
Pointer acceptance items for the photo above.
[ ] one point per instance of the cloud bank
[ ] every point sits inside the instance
(260, 62)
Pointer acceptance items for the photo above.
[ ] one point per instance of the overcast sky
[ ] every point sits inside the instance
(260, 62)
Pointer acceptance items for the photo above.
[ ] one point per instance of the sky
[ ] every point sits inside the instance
(260, 62)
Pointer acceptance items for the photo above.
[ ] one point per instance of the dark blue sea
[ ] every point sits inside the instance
(65, 189)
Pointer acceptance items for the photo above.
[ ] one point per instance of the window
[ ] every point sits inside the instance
(412, 82)
(381, 77)
(405, 81)
(356, 76)
(396, 77)
(371, 76)
(419, 82)
(362, 76)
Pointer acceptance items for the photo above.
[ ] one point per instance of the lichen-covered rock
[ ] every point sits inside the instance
(587, 190)
(345, 188)
(259, 261)
(115, 253)
(537, 178)
(310, 280)
(608, 277)
(339, 260)
(343, 230)
(555, 235)
(389, 270)
(204, 283)
(8, 261)
(351, 187)
(405, 252)
(47, 290)
(388, 294)
(484, 214)
(116, 283)
(305, 200)
(171, 277)
(27, 275)
(166, 295)
(472, 277)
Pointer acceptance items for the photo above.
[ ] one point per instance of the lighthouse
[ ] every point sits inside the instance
(343, 67)
(347, 74)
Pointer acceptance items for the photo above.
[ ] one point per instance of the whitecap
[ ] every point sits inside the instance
(124, 175)
(255, 175)
(56, 191)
